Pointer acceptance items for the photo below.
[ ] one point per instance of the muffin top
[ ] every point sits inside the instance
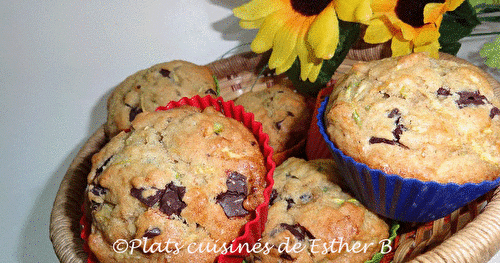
(418, 117)
(284, 114)
(310, 212)
(153, 87)
(183, 175)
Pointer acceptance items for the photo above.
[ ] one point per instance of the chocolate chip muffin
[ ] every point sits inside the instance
(284, 114)
(153, 87)
(418, 117)
(311, 219)
(181, 181)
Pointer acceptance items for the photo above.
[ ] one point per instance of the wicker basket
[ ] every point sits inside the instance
(471, 234)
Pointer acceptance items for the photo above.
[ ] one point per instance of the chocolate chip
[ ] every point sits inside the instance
(289, 175)
(232, 204)
(165, 73)
(99, 170)
(398, 131)
(149, 200)
(305, 198)
(138, 87)
(237, 183)
(150, 233)
(443, 92)
(253, 143)
(290, 203)
(211, 91)
(286, 256)
(280, 91)
(171, 201)
(374, 140)
(385, 95)
(495, 111)
(94, 206)
(133, 113)
(231, 201)
(278, 124)
(297, 231)
(289, 113)
(468, 98)
(394, 113)
(273, 196)
(98, 190)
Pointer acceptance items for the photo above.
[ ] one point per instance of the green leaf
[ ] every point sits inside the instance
(456, 25)
(348, 34)
(491, 51)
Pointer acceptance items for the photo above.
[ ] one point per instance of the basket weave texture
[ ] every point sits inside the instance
(468, 237)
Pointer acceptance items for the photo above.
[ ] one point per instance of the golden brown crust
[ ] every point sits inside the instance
(168, 179)
(153, 87)
(419, 118)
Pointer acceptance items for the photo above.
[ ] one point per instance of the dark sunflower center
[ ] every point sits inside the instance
(412, 11)
(309, 7)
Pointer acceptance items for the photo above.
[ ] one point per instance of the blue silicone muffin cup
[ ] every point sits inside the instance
(398, 198)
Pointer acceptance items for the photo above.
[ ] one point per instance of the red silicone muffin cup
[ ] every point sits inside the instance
(252, 230)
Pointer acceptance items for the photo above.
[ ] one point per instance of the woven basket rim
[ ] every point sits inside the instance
(478, 241)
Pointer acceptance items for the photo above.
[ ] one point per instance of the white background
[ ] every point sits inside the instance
(58, 62)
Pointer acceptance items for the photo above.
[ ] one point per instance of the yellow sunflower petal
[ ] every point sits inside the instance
(353, 10)
(324, 33)
(313, 74)
(287, 63)
(432, 12)
(426, 34)
(400, 46)
(251, 24)
(265, 37)
(432, 49)
(377, 32)
(408, 32)
(383, 5)
(453, 4)
(256, 9)
(304, 51)
(285, 41)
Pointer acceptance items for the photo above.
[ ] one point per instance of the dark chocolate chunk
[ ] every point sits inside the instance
(211, 91)
(305, 198)
(297, 231)
(385, 95)
(99, 170)
(272, 198)
(468, 98)
(150, 233)
(286, 256)
(171, 201)
(398, 131)
(289, 113)
(231, 201)
(280, 91)
(495, 111)
(138, 87)
(443, 92)
(165, 73)
(232, 204)
(133, 113)
(94, 206)
(290, 203)
(98, 190)
(374, 140)
(289, 175)
(149, 200)
(237, 183)
(253, 143)
(278, 124)
(394, 113)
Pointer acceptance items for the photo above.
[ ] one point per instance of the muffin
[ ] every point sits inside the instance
(310, 213)
(432, 120)
(153, 87)
(181, 180)
(285, 117)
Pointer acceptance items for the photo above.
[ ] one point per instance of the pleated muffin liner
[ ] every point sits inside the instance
(398, 198)
(252, 230)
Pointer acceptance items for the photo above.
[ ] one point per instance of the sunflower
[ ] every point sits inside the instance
(412, 25)
(307, 29)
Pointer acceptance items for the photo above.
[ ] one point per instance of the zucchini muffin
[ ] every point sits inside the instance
(311, 219)
(180, 177)
(418, 117)
(284, 114)
(156, 86)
